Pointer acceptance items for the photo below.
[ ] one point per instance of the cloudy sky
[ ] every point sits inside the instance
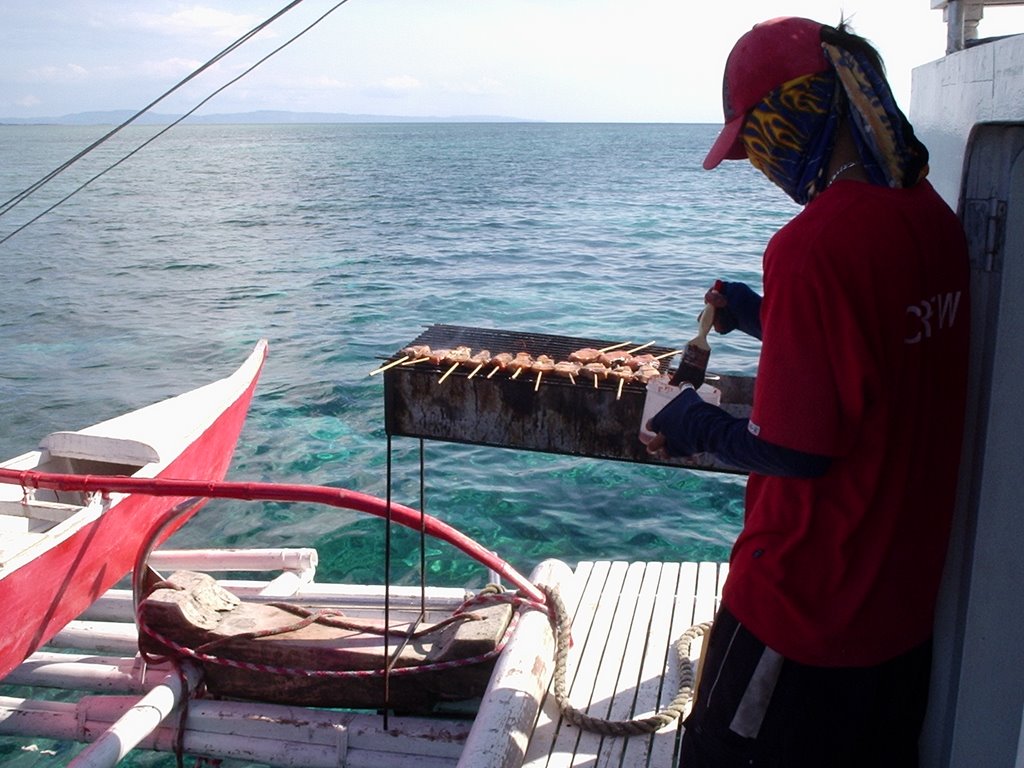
(555, 60)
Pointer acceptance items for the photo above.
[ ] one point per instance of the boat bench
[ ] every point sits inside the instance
(22, 525)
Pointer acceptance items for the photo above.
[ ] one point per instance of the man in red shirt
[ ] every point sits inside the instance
(820, 654)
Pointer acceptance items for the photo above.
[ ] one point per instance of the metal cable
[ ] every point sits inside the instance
(7, 206)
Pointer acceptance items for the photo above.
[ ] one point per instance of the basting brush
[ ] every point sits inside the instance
(694, 364)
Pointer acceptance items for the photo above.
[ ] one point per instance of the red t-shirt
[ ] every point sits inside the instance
(865, 324)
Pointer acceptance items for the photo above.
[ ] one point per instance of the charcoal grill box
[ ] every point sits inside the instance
(558, 416)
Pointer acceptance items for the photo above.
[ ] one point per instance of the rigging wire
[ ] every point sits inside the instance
(7, 206)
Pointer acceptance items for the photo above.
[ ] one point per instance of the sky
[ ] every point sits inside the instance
(550, 60)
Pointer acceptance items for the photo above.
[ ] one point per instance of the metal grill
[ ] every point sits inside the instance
(555, 417)
(495, 341)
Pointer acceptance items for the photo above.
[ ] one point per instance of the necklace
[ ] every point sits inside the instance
(841, 170)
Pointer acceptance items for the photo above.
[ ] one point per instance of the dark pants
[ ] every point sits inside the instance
(756, 709)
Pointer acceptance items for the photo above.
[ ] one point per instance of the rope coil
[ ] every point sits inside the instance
(561, 626)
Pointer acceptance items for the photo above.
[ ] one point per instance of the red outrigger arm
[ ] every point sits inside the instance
(317, 494)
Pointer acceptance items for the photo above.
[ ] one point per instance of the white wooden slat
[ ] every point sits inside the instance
(663, 744)
(545, 728)
(723, 575)
(659, 641)
(591, 581)
(626, 703)
(707, 592)
(611, 660)
(591, 650)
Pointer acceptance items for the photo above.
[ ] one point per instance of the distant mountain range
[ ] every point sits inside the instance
(116, 117)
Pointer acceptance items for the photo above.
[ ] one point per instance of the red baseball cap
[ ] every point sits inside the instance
(772, 53)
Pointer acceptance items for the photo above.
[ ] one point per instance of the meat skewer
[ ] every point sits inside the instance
(501, 361)
(567, 368)
(613, 359)
(456, 357)
(481, 359)
(542, 364)
(392, 364)
(596, 369)
(623, 374)
(519, 362)
(585, 355)
(416, 350)
(645, 373)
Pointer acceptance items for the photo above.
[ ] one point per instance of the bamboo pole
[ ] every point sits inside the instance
(101, 636)
(509, 706)
(354, 599)
(291, 559)
(289, 737)
(86, 672)
(139, 721)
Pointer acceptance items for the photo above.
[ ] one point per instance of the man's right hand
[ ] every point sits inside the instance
(736, 306)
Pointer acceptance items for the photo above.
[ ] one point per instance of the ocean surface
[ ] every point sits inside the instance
(340, 244)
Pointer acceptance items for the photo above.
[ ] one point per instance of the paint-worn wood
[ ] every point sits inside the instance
(508, 710)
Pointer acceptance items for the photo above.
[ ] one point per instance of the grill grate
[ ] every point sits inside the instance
(552, 415)
(442, 336)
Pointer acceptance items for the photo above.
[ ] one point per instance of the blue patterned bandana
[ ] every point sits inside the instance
(789, 135)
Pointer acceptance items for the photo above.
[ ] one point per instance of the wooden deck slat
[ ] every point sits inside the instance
(636, 750)
(664, 743)
(590, 581)
(588, 647)
(622, 664)
(626, 702)
(608, 656)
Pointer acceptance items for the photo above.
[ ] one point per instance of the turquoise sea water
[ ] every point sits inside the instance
(339, 243)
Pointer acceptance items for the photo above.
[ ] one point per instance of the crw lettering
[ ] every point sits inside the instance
(930, 316)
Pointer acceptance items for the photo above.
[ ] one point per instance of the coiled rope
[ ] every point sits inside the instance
(560, 625)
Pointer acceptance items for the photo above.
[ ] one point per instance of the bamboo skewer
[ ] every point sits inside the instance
(448, 373)
(637, 349)
(405, 360)
(392, 364)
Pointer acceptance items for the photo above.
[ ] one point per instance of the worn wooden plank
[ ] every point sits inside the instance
(636, 750)
(509, 706)
(626, 704)
(663, 744)
(707, 592)
(608, 659)
(198, 612)
(593, 577)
